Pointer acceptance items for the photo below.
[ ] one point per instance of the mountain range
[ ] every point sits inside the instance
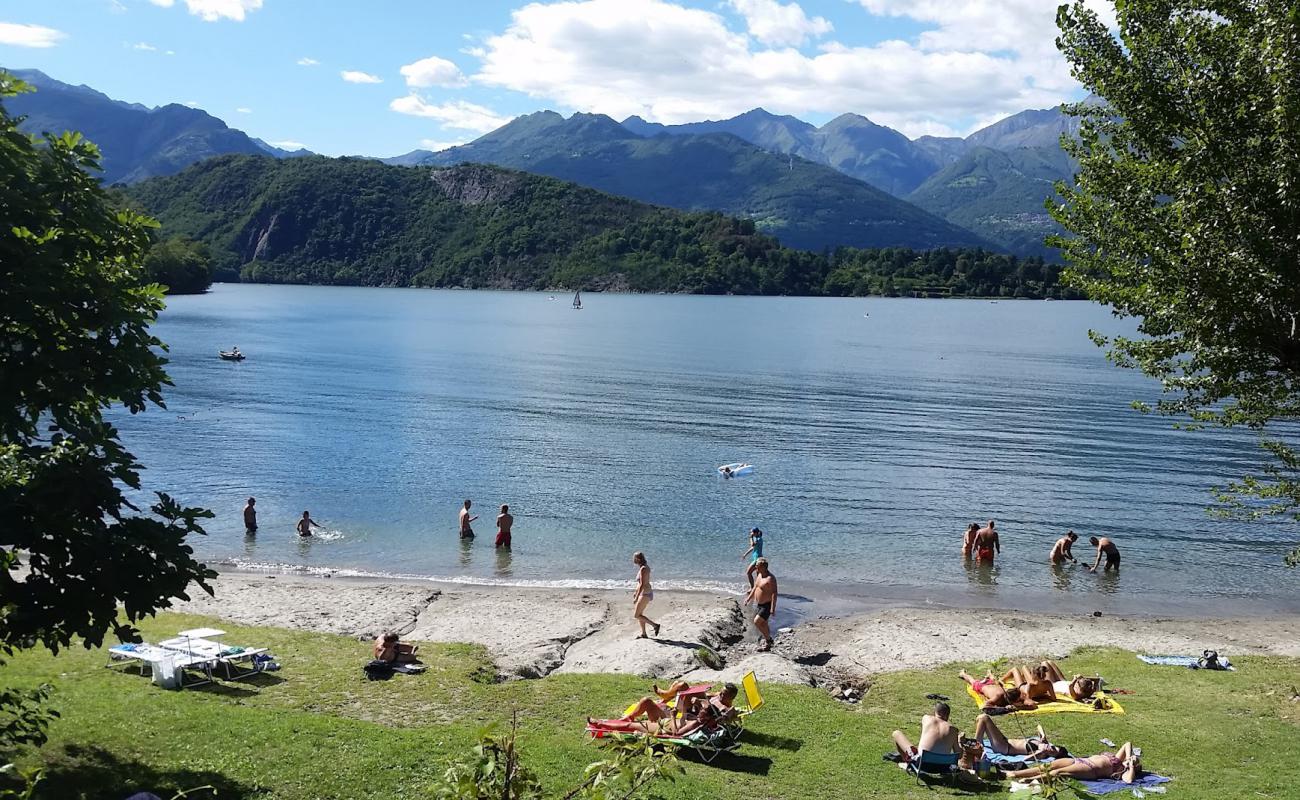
(136, 142)
(849, 182)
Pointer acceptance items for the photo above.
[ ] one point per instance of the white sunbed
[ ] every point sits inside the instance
(202, 643)
(163, 663)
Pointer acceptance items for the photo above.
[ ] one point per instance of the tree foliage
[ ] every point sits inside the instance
(493, 770)
(74, 340)
(360, 222)
(1187, 211)
(179, 265)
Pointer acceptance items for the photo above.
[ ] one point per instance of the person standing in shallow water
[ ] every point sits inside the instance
(306, 524)
(1105, 547)
(250, 516)
(986, 543)
(1061, 550)
(466, 532)
(644, 594)
(968, 541)
(504, 523)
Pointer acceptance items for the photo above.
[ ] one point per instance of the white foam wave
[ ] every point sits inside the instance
(713, 587)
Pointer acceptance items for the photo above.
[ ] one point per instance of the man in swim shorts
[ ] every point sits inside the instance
(763, 596)
(1061, 550)
(504, 523)
(938, 735)
(250, 516)
(1111, 552)
(466, 532)
(986, 543)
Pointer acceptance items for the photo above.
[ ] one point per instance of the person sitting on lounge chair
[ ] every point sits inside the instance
(1034, 682)
(1122, 765)
(660, 720)
(719, 705)
(389, 648)
(689, 702)
(990, 688)
(1034, 747)
(938, 736)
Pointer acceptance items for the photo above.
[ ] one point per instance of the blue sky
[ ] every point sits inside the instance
(435, 73)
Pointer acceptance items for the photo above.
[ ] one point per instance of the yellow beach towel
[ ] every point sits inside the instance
(1058, 706)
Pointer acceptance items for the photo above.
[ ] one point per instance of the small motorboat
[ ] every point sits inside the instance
(735, 470)
(230, 355)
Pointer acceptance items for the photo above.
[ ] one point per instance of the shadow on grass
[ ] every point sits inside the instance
(730, 762)
(772, 740)
(98, 774)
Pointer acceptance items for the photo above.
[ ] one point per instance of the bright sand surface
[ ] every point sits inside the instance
(532, 632)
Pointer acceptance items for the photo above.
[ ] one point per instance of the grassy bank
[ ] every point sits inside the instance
(318, 729)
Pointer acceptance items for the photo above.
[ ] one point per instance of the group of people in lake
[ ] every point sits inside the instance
(982, 545)
(505, 524)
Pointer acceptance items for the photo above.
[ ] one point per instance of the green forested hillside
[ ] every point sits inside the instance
(356, 221)
(805, 205)
(1000, 194)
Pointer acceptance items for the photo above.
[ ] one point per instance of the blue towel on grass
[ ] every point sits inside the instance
(1110, 785)
(1000, 760)
(1180, 661)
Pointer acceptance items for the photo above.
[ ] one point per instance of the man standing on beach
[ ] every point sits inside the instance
(250, 516)
(1107, 547)
(466, 532)
(1061, 550)
(504, 523)
(986, 543)
(763, 595)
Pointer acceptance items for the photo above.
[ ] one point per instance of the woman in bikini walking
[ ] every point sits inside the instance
(643, 595)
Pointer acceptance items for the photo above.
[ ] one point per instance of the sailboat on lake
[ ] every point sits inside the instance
(577, 300)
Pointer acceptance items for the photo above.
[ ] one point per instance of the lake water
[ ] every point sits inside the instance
(878, 428)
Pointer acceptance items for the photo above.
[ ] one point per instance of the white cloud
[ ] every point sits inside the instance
(456, 114)
(143, 46)
(288, 144)
(357, 76)
(19, 35)
(171, 52)
(213, 10)
(307, 62)
(669, 63)
(243, 110)
(432, 71)
(777, 24)
(435, 145)
(191, 103)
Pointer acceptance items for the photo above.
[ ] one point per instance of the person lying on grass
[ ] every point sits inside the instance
(1034, 747)
(389, 648)
(990, 688)
(654, 708)
(1122, 765)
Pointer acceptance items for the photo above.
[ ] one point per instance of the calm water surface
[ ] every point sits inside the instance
(879, 428)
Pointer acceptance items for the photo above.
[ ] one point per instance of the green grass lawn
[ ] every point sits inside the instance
(319, 729)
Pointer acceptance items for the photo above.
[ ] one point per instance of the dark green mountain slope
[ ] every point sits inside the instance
(136, 142)
(806, 205)
(1000, 194)
(357, 221)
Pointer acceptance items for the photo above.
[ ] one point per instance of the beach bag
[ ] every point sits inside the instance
(378, 670)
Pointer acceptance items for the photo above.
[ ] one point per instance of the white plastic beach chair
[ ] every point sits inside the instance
(202, 643)
(166, 667)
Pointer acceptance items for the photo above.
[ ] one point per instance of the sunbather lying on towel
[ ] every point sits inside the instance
(1122, 765)
(1035, 747)
(990, 688)
(389, 648)
(655, 707)
(1034, 682)
(1077, 688)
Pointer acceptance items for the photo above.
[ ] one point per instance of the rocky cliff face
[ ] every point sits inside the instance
(473, 185)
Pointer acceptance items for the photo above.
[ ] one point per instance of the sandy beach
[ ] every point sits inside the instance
(533, 632)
